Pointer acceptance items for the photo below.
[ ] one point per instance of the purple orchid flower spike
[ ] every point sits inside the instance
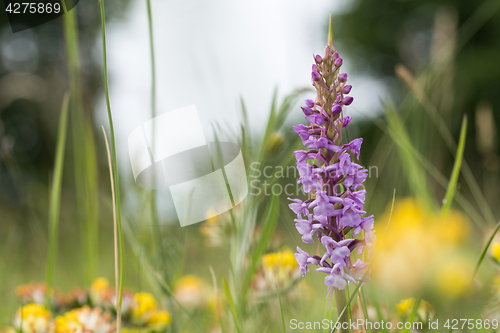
(334, 213)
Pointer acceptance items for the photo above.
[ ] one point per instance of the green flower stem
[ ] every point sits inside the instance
(154, 215)
(341, 301)
(113, 146)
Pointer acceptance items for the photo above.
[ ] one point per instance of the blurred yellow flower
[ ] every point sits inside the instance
(99, 284)
(405, 306)
(191, 291)
(159, 320)
(280, 260)
(453, 278)
(100, 291)
(495, 251)
(33, 310)
(144, 304)
(279, 268)
(33, 318)
(213, 229)
(417, 246)
(84, 319)
(453, 228)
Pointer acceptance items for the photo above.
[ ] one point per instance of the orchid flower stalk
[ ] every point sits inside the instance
(333, 214)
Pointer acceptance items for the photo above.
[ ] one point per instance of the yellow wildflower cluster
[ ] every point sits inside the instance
(278, 268)
(283, 261)
(145, 312)
(405, 307)
(140, 309)
(32, 318)
(191, 291)
(420, 249)
(104, 295)
(84, 319)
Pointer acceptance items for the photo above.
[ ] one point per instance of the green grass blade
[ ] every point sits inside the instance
(244, 113)
(365, 309)
(452, 185)
(270, 222)
(152, 193)
(113, 146)
(55, 199)
(437, 175)
(483, 254)
(392, 209)
(412, 314)
(231, 305)
(452, 146)
(269, 129)
(85, 163)
(416, 174)
(281, 309)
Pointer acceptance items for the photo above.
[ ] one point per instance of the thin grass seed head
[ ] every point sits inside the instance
(334, 214)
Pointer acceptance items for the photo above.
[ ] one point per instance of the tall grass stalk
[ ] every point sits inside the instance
(413, 313)
(231, 305)
(416, 175)
(485, 249)
(432, 111)
(452, 185)
(115, 234)
(113, 145)
(432, 170)
(281, 309)
(152, 197)
(85, 163)
(55, 200)
(270, 222)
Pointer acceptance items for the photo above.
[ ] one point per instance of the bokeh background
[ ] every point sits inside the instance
(417, 67)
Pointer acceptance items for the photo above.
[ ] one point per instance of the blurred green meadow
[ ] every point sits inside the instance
(432, 152)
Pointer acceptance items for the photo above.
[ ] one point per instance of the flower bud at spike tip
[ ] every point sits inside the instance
(335, 56)
(330, 32)
(318, 58)
(343, 76)
(338, 62)
(310, 103)
(347, 100)
(346, 89)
